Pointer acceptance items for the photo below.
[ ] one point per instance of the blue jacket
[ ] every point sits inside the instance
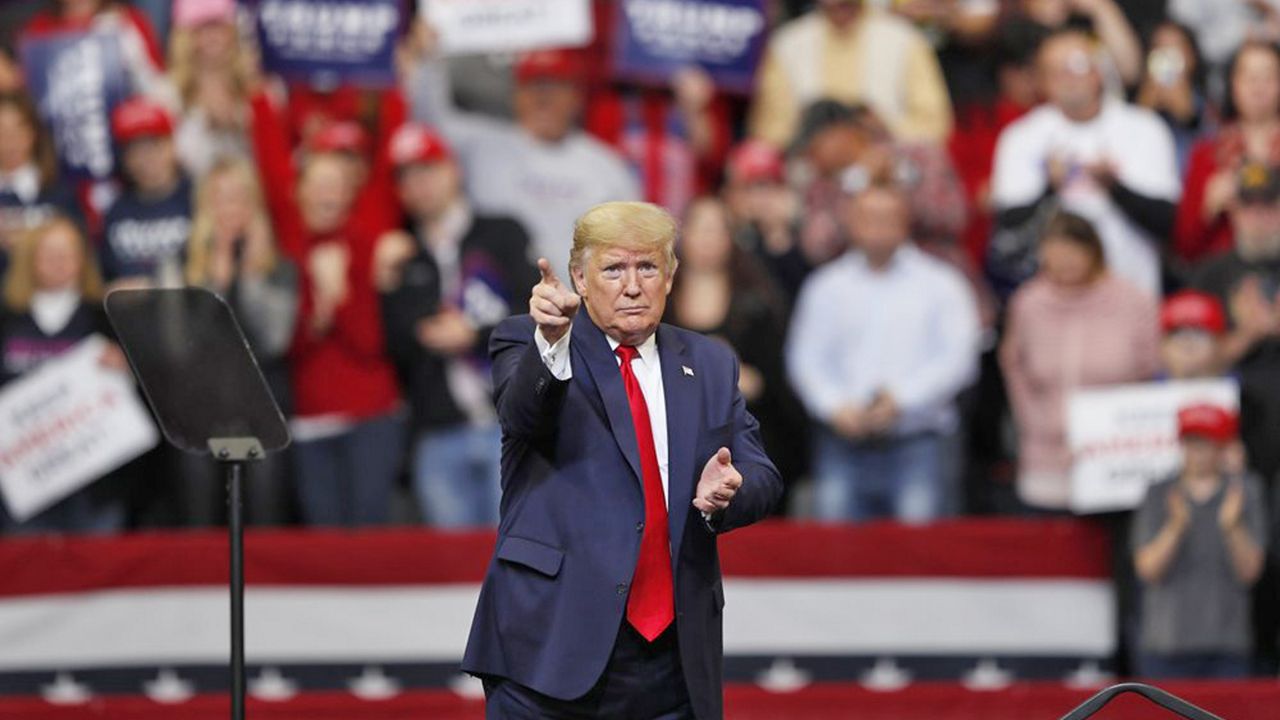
(555, 592)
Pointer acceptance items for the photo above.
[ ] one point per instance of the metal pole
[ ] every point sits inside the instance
(236, 527)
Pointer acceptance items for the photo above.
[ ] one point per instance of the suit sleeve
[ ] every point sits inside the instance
(761, 483)
(527, 395)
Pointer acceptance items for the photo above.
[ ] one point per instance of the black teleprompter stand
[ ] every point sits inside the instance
(208, 394)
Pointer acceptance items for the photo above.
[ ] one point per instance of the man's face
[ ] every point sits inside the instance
(1190, 354)
(879, 221)
(547, 109)
(151, 163)
(834, 148)
(1069, 76)
(428, 189)
(1257, 230)
(625, 290)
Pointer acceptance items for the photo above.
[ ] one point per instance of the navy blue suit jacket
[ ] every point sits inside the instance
(556, 590)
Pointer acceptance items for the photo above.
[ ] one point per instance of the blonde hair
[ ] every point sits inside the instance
(183, 73)
(200, 247)
(631, 225)
(20, 280)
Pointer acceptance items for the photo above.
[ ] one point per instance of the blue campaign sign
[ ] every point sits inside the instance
(654, 38)
(77, 79)
(325, 43)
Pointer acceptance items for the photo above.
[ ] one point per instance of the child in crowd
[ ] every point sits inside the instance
(1193, 324)
(145, 231)
(1197, 543)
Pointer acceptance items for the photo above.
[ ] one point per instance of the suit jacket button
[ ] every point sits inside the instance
(622, 588)
(640, 527)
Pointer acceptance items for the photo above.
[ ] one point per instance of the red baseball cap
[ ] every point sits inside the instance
(558, 64)
(139, 117)
(1213, 422)
(1193, 309)
(755, 161)
(416, 143)
(339, 137)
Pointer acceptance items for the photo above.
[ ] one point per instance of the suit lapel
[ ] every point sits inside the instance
(683, 419)
(592, 349)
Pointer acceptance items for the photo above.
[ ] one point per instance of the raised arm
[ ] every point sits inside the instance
(530, 353)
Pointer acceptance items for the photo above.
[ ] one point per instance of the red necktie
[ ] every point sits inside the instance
(651, 605)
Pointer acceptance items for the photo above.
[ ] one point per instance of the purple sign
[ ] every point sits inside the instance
(326, 43)
(77, 79)
(654, 38)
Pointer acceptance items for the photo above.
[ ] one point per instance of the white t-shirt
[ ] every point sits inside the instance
(1136, 143)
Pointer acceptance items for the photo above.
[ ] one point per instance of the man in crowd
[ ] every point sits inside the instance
(446, 280)
(1106, 160)
(542, 169)
(627, 449)
(883, 339)
(855, 53)
(1246, 281)
(1198, 546)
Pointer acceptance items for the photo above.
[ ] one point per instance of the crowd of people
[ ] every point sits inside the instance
(930, 223)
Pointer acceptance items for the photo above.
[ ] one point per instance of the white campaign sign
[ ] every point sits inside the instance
(64, 425)
(1124, 437)
(488, 26)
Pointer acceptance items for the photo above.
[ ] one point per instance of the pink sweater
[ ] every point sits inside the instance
(1057, 340)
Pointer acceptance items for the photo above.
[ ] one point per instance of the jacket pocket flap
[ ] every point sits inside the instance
(532, 554)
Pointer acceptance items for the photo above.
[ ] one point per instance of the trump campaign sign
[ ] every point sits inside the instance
(654, 38)
(64, 425)
(1125, 437)
(490, 26)
(329, 42)
(76, 79)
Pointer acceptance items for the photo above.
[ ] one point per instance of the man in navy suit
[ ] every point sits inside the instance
(626, 450)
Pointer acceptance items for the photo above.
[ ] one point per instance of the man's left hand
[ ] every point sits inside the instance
(719, 483)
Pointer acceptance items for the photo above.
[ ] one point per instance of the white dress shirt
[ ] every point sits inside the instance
(648, 371)
(909, 329)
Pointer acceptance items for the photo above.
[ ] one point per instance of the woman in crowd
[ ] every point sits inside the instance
(347, 428)
(52, 301)
(1252, 134)
(723, 291)
(1073, 325)
(29, 193)
(213, 74)
(233, 253)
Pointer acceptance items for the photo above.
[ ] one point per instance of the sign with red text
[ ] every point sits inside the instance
(492, 26)
(65, 424)
(1125, 437)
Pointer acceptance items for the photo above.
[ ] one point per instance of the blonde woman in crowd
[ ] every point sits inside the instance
(213, 73)
(52, 301)
(233, 253)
